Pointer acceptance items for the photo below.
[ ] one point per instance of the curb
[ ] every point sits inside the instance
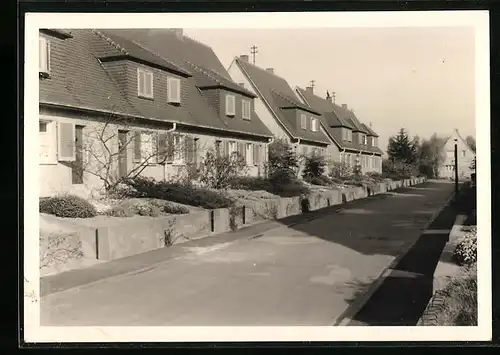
(436, 304)
(346, 317)
(304, 218)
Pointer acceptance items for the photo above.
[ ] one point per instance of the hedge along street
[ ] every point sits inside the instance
(306, 274)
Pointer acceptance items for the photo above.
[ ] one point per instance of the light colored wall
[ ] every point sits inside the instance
(56, 176)
(447, 170)
(260, 107)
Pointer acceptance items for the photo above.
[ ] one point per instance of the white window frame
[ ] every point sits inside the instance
(349, 135)
(44, 55)
(51, 133)
(303, 121)
(249, 154)
(246, 109)
(179, 155)
(230, 99)
(144, 93)
(173, 81)
(314, 124)
(233, 148)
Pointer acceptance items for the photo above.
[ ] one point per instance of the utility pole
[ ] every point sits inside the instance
(253, 51)
(456, 168)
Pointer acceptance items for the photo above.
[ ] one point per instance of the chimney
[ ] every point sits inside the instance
(344, 106)
(270, 70)
(333, 96)
(310, 89)
(244, 57)
(178, 31)
(328, 97)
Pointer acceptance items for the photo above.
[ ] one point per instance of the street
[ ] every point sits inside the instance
(307, 274)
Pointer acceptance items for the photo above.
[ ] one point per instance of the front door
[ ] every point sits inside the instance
(77, 166)
(122, 154)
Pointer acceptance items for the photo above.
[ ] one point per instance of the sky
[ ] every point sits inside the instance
(418, 78)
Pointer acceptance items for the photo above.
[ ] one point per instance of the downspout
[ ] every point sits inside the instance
(165, 167)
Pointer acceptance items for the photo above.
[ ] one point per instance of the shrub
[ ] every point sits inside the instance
(217, 171)
(291, 189)
(314, 167)
(250, 183)
(316, 181)
(120, 211)
(376, 177)
(459, 300)
(338, 170)
(465, 252)
(175, 209)
(282, 163)
(397, 170)
(67, 206)
(175, 192)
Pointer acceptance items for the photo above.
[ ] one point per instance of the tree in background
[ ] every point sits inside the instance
(471, 142)
(432, 155)
(403, 149)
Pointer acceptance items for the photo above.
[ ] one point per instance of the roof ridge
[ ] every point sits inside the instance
(262, 69)
(201, 69)
(110, 41)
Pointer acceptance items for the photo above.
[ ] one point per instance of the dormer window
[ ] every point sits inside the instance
(44, 55)
(303, 121)
(374, 141)
(144, 83)
(230, 105)
(245, 108)
(349, 135)
(314, 124)
(174, 90)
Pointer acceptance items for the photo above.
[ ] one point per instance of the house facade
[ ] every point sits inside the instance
(112, 106)
(465, 156)
(279, 108)
(352, 142)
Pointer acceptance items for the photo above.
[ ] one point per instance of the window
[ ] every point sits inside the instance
(374, 141)
(179, 151)
(174, 90)
(144, 146)
(144, 83)
(230, 105)
(245, 108)
(44, 55)
(218, 149)
(47, 142)
(249, 154)
(349, 135)
(232, 148)
(256, 154)
(303, 121)
(305, 150)
(314, 124)
(365, 139)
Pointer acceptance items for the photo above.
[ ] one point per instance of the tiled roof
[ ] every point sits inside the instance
(285, 102)
(370, 131)
(120, 46)
(274, 91)
(187, 53)
(81, 82)
(57, 32)
(210, 78)
(334, 116)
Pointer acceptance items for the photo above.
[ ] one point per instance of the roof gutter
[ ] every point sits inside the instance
(86, 109)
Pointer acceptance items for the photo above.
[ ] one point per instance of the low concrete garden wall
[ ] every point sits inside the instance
(107, 238)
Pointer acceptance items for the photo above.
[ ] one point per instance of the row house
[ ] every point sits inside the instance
(119, 102)
(352, 142)
(279, 108)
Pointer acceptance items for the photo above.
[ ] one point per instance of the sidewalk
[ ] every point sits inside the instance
(407, 287)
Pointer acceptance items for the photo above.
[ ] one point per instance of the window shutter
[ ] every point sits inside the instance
(255, 154)
(226, 149)
(169, 147)
(188, 149)
(195, 151)
(149, 83)
(66, 135)
(48, 55)
(241, 149)
(137, 146)
(161, 148)
(174, 90)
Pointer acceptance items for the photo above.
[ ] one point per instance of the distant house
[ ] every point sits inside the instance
(279, 108)
(167, 102)
(352, 142)
(465, 156)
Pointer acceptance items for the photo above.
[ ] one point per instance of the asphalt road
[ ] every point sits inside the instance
(307, 274)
